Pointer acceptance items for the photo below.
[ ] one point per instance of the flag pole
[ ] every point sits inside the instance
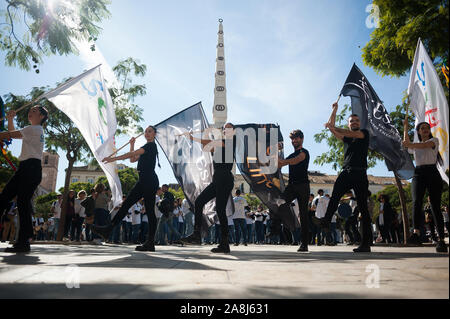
(115, 152)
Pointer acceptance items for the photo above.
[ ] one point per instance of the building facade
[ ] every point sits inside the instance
(89, 173)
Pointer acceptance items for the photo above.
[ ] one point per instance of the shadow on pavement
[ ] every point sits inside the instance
(129, 291)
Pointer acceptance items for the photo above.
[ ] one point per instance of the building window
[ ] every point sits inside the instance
(46, 160)
(90, 180)
(74, 180)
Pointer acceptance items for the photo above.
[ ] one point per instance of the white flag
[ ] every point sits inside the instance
(86, 101)
(428, 102)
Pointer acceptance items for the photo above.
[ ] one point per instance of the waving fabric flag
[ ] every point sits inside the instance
(428, 102)
(86, 101)
(192, 167)
(267, 186)
(384, 137)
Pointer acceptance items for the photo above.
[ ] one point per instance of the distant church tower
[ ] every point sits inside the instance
(49, 171)
(220, 91)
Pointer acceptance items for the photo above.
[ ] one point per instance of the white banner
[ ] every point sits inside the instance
(428, 102)
(86, 101)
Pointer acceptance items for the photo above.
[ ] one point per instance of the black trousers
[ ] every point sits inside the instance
(300, 192)
(23, 185)
(220, 188)
(146, 188)
(427, 178)
(356, 180)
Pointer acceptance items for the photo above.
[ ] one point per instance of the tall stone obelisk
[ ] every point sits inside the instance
(220, 91)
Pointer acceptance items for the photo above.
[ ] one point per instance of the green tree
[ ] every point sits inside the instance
(128, 114)
(253, 201)
(31, 29)
(391, 48)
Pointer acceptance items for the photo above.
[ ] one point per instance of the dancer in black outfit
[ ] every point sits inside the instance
(426, 177)
(146, 187)
(220, 188)
(353, 175)
(298, 186)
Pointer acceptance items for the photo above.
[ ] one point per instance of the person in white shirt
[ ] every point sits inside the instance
(135, 221)
(249, 220)
(446, 219)
(77, 221)
(161, 231)
(144, 224)
(56, 211)
(240, 226)
(217, 229)
(28, 176)
(188, 218)
(231, 237)
(127, 232)
(180, 217)
(259, 225)
(320, 204)
(426, 177)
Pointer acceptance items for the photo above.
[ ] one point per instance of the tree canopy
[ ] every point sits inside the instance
(391, 48)
(31, 29)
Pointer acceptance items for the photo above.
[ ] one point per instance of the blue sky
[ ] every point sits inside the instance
(286, 62)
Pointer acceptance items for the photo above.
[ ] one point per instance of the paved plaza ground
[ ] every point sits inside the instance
(192, 272)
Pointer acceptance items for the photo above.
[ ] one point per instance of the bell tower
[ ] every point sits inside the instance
(220, 92)
(49, 170)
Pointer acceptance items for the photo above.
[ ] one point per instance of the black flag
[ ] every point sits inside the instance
(193, 168)
(384, 137)
(267, 184)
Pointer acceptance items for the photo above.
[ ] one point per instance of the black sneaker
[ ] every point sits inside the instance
(225, 249)
(322, 223)
(441, 247)
(104, 231)
(303, 248)
(146, 247)
(414, 239)
(194, 239)
(362, 249)
(236, 244)
(18, 248)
